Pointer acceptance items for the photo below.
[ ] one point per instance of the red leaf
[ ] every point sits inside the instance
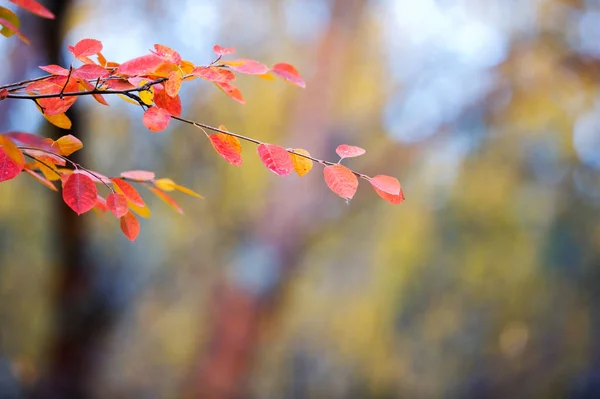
(225, 148)
(118, 84)
(55, 70)
(56, 105)
(130, 226)
(223, 50)
(341, 180)
(80, 193)
(34, 7)
(167, 54)
(156, 119)
(214, 74)
(138, 175)
(117, 203)
(31, 140)
(231, 91)
(250, 67)
(171, 104)
(388, 188)
(90, 71)
(349, 151)
(86, 47)
(9, 169)
(289, 73)
(3, 94)
(140, 66)
(129, 191)
(276, 159)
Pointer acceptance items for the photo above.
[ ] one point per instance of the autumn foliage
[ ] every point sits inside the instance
(152, 82)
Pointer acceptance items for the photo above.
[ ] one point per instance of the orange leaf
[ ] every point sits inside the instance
(138, 175)
(171, 104)
(167, 199)
(34, 7)
(9, 169)
(80, 193)
(388, 188)
(341, 180)
(167, 53)
(223, 50)
(173, 85)
(117, 203)
(231, 91)
(12, 151)
(227, 149)
(214, 74)
(86, 47)
(84, 84)
(67, 145)
(130, 226)
(349, 151)
(128, 190)
(276, 159)
(41, 179)
(289, 73)
(59, 120)
(302, 165)
(156, 119)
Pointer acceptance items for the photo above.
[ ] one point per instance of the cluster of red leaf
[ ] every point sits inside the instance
(152, 82)
(79, 185)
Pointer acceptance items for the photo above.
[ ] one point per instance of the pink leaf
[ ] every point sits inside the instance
(341, 180)
(276, 159)
(349, 151)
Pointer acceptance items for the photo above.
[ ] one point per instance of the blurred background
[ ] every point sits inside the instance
(485, 282)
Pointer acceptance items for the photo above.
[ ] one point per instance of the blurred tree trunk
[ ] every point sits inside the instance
(241, 304)
(81, 316)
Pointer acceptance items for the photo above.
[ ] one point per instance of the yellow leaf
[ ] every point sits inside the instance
(129, 100)
(266, 76)
(147, 96)
(187, 191)
(68, 144)
(142, 211)
(233, 63)
(49, 170)
(186, 66)
(165, 184)
(60, 120)
(301, 165)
